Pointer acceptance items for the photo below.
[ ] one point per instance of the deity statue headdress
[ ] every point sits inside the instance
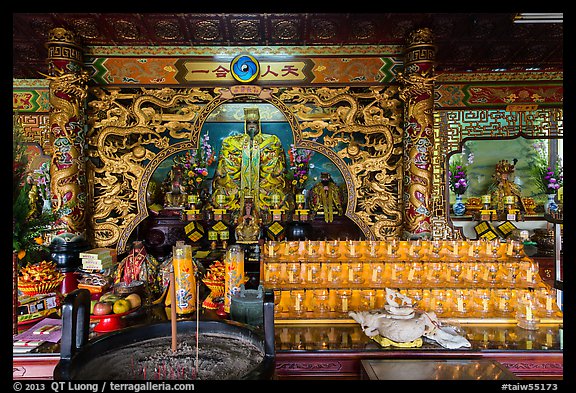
(251, 115)
(504, 166)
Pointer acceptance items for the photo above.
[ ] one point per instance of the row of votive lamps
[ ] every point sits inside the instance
(511, 303)
(393, 249)
(519, 273)
(482, 336)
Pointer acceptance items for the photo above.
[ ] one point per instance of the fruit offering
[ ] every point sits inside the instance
(110, 303)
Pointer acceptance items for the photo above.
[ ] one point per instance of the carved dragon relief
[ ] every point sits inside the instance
(130, 129)
(67, 95)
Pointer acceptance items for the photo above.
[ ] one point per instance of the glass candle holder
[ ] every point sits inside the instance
(415, 249)
(493, 249)
(353, 249)
(343, 301)
(529, 271)
(313, 273)
(332, 248)
(483, 302)
(312, 249)
(547, 302)
(398, 273)
(512, 270)
(434, 270)
(454, 272)
(392, 247)
(475, 248)
(377, 273)
(272, 273)
(367, 300)
(373, 249)
(291, 250)
(461, 302)
(504, 302)
(356, 272)
(435, 249)
(438, 302)
(334, 273)
(517, 248)
(526, 319)
(473, 272)
(293, 273)
(416, 295)
(415, 273)
(271, 250)
(296, 306)
(452, 249)
(320, 303)
(490, 272)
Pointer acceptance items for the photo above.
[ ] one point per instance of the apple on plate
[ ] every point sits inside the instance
(102, 308)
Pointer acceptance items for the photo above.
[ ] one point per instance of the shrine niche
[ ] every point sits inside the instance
(456, 128)
(132, 131)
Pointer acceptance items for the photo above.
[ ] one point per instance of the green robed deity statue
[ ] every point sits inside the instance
(252, 164)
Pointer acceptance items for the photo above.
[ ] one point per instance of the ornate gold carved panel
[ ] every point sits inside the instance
(132, 130)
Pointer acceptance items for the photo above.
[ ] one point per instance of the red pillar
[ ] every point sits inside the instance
(67, 129)
(417, 92)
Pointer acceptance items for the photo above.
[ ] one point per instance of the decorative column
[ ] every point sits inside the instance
(417, 92)
(68, 91)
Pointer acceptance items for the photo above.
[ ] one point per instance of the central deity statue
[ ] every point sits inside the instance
(252, 164)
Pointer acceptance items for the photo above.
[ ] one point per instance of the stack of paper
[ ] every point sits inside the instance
(99, 258)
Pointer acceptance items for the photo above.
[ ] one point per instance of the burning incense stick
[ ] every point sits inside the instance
(173, 309)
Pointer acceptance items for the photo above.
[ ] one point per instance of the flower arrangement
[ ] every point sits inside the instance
(299, 165)
(195, 164)
(458, 174)
(30, 223)
(548, 177)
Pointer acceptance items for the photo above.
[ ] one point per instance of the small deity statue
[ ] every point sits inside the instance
(248, 229)
(139, 265)
(503, 185)
(325, 198)
(176, 195)
(255, 163)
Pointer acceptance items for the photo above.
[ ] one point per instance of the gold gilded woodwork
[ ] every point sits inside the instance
(130, 132)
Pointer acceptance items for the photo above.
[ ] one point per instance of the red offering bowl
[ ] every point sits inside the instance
(110, 322)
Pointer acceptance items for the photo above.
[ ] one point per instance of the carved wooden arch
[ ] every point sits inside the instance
(360, 133)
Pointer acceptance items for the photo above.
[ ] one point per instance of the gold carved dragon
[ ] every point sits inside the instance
(417, 94)
(67, 95)
(131, 130)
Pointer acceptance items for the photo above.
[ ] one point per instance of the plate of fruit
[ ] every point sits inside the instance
(109, 309)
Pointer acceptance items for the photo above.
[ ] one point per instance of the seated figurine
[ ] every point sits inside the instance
(248, 229)
(176, 195)
(325, 198)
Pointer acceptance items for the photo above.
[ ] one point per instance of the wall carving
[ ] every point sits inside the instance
(130, 130)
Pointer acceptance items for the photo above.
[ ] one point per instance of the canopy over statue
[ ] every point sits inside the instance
(252, 164)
